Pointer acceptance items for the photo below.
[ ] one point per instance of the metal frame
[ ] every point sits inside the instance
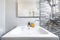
(40, 13)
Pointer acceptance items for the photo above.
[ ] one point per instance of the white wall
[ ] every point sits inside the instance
(10, 14)
(11, 9)
(24, 21)
(2, 17)
(7, 15)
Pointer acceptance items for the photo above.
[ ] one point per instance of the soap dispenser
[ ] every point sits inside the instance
(28, 25)
(32, 24)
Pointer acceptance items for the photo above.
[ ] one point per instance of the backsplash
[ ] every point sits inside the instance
(24, 21)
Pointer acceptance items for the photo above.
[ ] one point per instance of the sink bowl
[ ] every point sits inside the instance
(25, 33)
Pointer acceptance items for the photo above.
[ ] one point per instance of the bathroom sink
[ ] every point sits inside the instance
(33, 31)
(25, 33)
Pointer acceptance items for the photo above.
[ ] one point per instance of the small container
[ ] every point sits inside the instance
(32, 25)
(28, 25)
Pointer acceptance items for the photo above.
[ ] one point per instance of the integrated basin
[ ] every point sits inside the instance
(26, 33)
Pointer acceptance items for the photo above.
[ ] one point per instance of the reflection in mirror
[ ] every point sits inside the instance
(28, 8)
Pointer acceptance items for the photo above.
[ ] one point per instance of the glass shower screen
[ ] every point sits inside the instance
(49, 10)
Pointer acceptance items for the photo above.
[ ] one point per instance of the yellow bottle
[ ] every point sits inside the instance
(32, 25)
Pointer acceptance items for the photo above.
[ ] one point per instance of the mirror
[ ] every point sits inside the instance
(27, 8)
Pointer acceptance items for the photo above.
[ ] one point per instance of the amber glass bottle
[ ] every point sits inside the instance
(32, 25)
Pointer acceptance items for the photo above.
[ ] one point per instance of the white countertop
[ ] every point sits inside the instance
(23, 31)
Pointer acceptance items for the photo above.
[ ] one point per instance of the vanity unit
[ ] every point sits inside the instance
(25, 33)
